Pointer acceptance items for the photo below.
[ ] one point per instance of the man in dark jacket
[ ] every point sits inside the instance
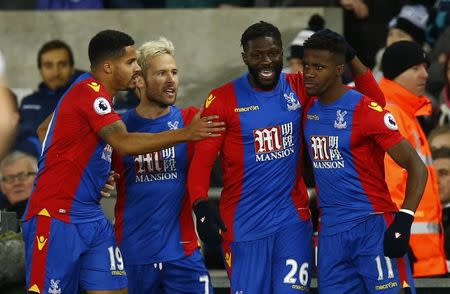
(56, 67)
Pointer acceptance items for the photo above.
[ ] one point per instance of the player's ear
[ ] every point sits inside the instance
(340, 70)
(108, 67)
(244, 57)
(139, 82)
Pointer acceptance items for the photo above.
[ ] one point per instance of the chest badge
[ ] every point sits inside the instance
(340, 122)
(292, 103)
(173, 125)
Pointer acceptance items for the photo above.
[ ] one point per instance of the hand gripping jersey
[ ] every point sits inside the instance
(346, 142)
(75, 161)
(153, 213)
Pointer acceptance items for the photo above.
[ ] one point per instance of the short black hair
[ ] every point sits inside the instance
(108, 44)
(54, 45)
(321, 42)
(260, 29)
(442, 152)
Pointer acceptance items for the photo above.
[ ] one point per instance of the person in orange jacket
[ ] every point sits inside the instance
(404, 66)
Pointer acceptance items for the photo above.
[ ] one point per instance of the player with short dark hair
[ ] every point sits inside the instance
(267, 234)
(347, 135)
(70, 245)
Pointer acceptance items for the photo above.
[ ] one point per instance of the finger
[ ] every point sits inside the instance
(108, 187)
(215, 124)
(211, 117)
(104, 194)
(215, 130)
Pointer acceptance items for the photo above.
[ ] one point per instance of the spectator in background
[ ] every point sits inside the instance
(441, 163)
(444, 98)
(315, 23)
(440, 137)
(409, 25)
(365, 23)
(9, 116)
(56, 67)
(404, 67)
(17, 172)
(68, 4)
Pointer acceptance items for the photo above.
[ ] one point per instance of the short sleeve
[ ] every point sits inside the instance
(97, 108)
(379, 124)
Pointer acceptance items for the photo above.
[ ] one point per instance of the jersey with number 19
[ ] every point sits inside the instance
(70, 245)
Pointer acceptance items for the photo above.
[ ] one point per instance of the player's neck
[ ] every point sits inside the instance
(151, 110)
(105, 82)
(332, 94)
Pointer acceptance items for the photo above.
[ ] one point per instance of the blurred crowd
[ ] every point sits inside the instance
(389, 36)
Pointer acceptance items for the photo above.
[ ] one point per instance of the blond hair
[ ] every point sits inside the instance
(153, 48)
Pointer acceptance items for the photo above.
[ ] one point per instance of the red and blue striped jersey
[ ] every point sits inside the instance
(259, 151)
(347, 141)
(153, 219)
(75, 161)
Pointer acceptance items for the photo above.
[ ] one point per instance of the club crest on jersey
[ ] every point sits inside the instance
(107, 153)
(54, 287)
(390, 122)
(102, 106)
(340, 122)
(292, 102)
(274, 142)
(173, 125)
(325, 152)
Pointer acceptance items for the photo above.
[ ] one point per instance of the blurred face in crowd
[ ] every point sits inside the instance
(395, 35)
(161, 80)
(56, 69)
(414, 79)
(439, 141)
(17, 180)
(264, 59)
(124, 69)
(442, 166)
(295, 65)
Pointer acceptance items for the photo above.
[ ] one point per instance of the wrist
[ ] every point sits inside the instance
(408, 211)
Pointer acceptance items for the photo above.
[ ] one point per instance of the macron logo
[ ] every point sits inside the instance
(203, 219)
(397, 235)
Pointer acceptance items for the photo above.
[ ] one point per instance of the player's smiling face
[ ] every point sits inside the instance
(264, 59)
(126, 69)
(161, 80)
(320, 71)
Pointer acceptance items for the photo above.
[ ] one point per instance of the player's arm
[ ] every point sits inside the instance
(406, 157)
(208, 223)
(116, 135)
(43, 127)
(365, 82)
(396, 237)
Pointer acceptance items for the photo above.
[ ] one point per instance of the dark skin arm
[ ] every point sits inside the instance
(42, 129)
(126, 143)
(406, 157)
(357, 67)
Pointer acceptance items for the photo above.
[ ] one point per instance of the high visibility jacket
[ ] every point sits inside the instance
(427, 239)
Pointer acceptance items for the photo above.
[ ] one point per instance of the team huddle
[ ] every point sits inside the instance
(265, 126)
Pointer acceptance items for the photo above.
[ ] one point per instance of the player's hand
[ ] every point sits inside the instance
(396, 237)
(109, 185)
(204, 127)
(209, 224)
(350, 53)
